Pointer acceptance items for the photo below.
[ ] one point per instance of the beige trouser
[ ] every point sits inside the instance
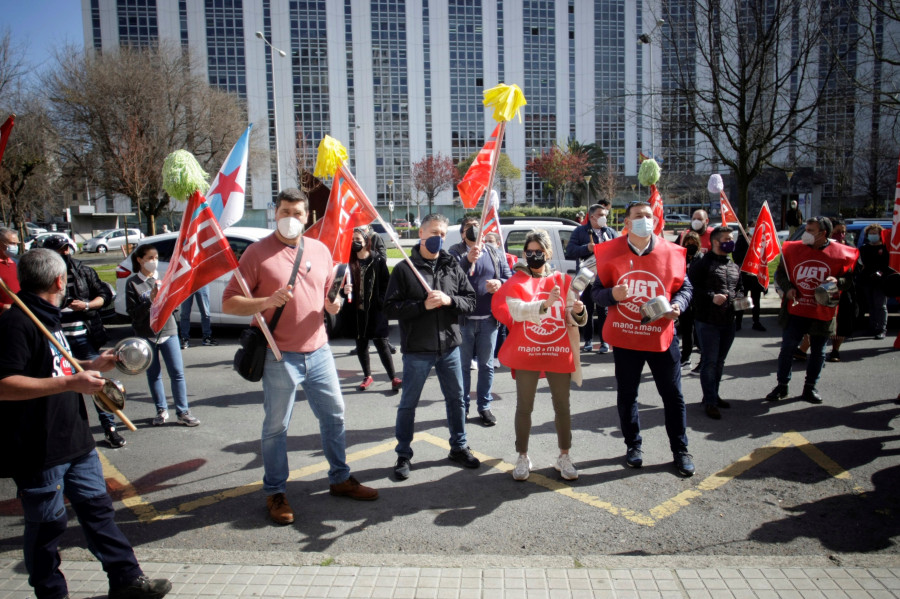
(526, 387)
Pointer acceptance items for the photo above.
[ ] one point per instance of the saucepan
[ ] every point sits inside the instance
(582, 280)
(339, 271)
(133, 355)
(655, 309)
(742, 303)
(590, 263)
(828, 294)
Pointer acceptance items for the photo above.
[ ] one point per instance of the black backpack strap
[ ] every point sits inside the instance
(293, 278)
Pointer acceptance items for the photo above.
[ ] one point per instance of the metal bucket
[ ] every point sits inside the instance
(655, 309)
(742, 303)
(828, 294)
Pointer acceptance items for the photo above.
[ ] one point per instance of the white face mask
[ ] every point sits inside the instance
(290, 227)
(642, 227)
(808, 238)
(151, 266)
(601, 222)
(697, 225)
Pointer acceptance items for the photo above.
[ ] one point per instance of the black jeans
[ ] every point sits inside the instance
(384, 352)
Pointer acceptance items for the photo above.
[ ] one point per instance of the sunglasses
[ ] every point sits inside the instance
(534, 254)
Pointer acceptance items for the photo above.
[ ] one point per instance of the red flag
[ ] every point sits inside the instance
(348, 207)
(728, 214)
(4, 133)
(658, 212)
(763, 247)
(492, 217)
(472, 187)
(895, 230)
(202, 254)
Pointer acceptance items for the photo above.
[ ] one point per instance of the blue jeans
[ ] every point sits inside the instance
(42, 496)
(416, 368)
(796, 327)
(478, 340)
(202, 296)
(83, 349)
(170, 350)
(715, 341)
(666, 369)
(316, 373)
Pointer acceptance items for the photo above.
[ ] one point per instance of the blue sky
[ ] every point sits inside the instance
(42, 26)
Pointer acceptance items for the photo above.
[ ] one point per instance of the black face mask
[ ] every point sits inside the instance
(691, 249)
(472, 233)
(535, 262)
(356, 246)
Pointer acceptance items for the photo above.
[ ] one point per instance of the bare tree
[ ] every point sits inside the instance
(746, 76)
(432, 175)
(12, 65)
(608, 181)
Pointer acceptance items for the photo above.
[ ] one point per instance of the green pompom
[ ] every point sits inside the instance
(183, 175)
(649, 173)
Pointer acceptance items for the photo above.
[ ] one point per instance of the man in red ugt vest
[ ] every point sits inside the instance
(631, 270)
(805, 265)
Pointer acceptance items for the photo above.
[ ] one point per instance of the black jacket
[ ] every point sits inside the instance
(370, 283)
(138, 304)
(710, 275)
(83, 283)
(421, 330)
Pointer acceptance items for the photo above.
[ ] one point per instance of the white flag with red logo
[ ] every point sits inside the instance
(657, 206)
(477, 178)
(492, 217)
(895, 230)
(763, 247)
(728, 214)
(202, 254)
(348, 208)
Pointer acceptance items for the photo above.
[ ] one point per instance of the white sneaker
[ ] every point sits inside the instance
(523, 467)
(161, 418)
(497, 363)
(566, 467)
(473, 365)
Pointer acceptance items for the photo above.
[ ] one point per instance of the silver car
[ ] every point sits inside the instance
(112, 239)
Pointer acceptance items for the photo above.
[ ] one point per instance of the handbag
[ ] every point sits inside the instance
(250, 358)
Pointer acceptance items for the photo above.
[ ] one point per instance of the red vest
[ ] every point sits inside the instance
(807, 268)
(661, 272)
(705, 238)
(538, 347)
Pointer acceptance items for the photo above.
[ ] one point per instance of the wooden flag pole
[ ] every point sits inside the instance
(259, 318)
(740, 226)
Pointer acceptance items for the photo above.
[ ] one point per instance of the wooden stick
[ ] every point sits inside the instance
(259, 317)
(65, 353)
(740, 226)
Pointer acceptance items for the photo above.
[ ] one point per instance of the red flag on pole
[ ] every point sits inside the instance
(895, 230)
(4, 133)
(202, 254)
(492, 217)
(478, 177)
(728, 214)
(763, 247)
(658, 212)
(348, 207)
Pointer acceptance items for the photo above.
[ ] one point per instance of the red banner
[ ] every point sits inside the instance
(202, 254)
(728, 214)
(492, 217)
(4, 133)
(658, 212)
(477, 178)
(348, 208)
(763, 247)
(895, 230)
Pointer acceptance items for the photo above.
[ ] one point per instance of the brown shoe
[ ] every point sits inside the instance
(352, 489)
(279, 509)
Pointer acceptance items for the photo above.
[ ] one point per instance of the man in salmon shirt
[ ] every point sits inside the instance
(631, 270)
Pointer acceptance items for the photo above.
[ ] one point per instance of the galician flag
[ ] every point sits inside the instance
(226, 194)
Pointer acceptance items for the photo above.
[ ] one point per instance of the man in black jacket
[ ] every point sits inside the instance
(717, 283)
(86, 294)
(430, 337)
(47, 445)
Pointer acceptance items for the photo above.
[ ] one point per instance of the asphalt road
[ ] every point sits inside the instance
(788, 478)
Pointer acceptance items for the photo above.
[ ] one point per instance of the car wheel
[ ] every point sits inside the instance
(101, 249)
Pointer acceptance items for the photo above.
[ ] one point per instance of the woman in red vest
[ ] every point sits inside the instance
(541, 326)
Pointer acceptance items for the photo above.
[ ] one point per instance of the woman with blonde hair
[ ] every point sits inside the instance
(543, 319)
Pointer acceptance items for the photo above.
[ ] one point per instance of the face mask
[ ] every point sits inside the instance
(536, 262)
(434, 244)
(691, 249)
(601, 222)
(356, 246)
(727, 246)
(697, 225)
(642, 227)
(808, 238)
(12, 250)
(873, 237)
(290, 227)
(151, 265)
(472, 233)
(793, 205)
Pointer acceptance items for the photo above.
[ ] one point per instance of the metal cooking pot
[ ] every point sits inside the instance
(590, 263)
(582, 280)
(828, 294)
(113, 392)
(742, 303)
(655, 309)
(133, 355)
(339, 271)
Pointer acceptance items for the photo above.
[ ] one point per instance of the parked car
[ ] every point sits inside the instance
(856, 227)
(238, 237)
(33, 229)
(678, 217)
(379, 228)
(39, 240)
(112, 239)
(400, 222)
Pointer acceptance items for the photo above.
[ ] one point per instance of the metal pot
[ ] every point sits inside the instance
(590, 263)
(340, 270)
(655, 309)
(742, 303)
(582, 280)
(133, 355)
(828, 294)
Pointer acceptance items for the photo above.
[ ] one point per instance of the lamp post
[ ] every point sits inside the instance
(647, 40)
(272, 51)
(390, 184)
(587, 188)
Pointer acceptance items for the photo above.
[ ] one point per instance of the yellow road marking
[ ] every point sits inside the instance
(146, 512)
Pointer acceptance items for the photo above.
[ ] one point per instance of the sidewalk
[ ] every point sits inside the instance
(602, 577)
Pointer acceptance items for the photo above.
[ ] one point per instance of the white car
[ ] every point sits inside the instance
(38, 242)
(238, 237)
(111, 240)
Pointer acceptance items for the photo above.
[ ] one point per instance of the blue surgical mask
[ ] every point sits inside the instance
(642, 227)
(873, 237)
(434, 243)
(12, 250)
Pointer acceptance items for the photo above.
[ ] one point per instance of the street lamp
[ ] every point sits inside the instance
(587, 187)
(272, 51)
(390, 184)
(647, 40)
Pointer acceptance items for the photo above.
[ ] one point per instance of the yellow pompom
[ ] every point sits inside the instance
(331, 156)
(506, 101)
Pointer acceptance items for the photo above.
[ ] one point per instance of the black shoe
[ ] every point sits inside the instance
(401, 468)
(811, 395)
(352, 351)
(634, 457)
(721, 403)
(185, 344)
(712, 411)
(208, 341)
(393, 348)
(778, 393)
(487, 418)
(464, 456)
(142, 588)
(737, 325)
(114, 439)
(757, 326)
(684, 463)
